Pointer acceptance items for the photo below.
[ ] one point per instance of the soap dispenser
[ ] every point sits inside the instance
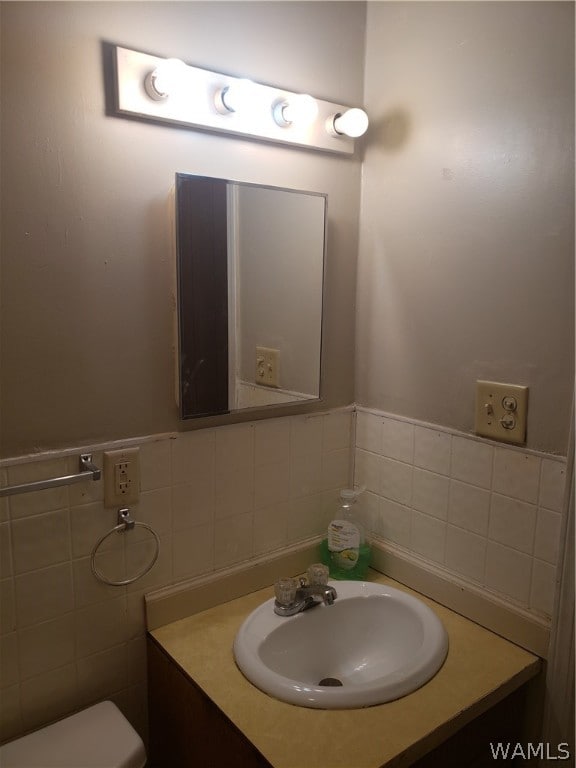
(345, 550)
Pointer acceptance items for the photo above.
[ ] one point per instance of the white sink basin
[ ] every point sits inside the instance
(374, 644)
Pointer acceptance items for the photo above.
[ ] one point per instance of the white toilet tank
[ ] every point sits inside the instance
(97, 737)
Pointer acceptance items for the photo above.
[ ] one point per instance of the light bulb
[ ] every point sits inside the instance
(353, 123)
(301, 109)
(165, 79)
(239, 96)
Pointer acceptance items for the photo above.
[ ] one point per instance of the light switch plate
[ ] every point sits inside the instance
(501, 411)
(121, 477)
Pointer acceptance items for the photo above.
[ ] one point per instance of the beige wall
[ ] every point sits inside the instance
(466, 255)
(86, 236)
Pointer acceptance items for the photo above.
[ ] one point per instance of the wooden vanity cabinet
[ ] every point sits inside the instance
(188, 730)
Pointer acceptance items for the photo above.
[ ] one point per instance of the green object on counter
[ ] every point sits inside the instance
(347, 552)
(357, 573)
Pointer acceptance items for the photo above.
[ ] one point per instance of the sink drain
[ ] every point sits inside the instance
(330, 681)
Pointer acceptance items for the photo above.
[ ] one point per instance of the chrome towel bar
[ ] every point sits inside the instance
(87, 470)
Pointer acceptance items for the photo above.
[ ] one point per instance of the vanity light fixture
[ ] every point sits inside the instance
(166, 78)
(300, 108)
(170, 91)
(353, 123)
(237, 96)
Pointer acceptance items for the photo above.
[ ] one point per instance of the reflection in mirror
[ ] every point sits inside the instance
(250, 274)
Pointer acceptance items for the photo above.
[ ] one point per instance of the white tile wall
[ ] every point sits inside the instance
(469, 507)
(432, 449)
(430, 493)
(395, 522)
(465, 552)
(508, 571)
(215, 497)
(490, 514)
(218, 497)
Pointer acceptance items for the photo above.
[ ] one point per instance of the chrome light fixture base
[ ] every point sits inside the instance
(197, 98)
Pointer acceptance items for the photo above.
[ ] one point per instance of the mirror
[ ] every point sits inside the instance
(250, 265)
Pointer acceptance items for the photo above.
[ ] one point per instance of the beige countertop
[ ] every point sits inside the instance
(480, 670)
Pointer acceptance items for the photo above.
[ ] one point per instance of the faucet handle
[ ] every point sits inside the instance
(285, 590)
(317, 574)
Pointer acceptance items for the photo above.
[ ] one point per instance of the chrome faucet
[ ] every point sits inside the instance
(296, 596)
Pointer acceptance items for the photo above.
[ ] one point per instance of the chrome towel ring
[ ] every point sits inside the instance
(125, 523)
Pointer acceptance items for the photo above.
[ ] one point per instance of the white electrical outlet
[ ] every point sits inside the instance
(501, 411)
(121, 477)
(267, 366)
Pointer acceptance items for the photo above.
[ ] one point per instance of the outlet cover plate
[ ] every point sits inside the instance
(121, 477)
(501, 411)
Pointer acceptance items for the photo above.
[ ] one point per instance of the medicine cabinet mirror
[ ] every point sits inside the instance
(250, 265)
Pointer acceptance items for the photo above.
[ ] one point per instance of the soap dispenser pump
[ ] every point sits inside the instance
(345, 550)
